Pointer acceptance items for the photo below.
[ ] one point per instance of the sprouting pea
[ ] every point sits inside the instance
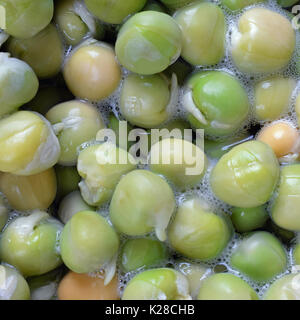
(203, 28)
(260, 256)
(284, 288)
(157, 284)
(142, 253)
(248, 219)
(30, 243)
(142, 202)
(285, 209)
(29, 192)
(216, 102)
(12, 285)
(149, 42)
(178, 160)
(246, 176)
(25, 18)
(261, 34)
(74, 122)
(197, 232)
(101, 166)
(35, 51)
(114, 11)
(226, 286)
(88, 243)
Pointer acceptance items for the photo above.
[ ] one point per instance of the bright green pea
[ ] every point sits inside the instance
(25, 18)
(216, 149)
(35, 51)
(18, 83)
(144, 100)
(248, 219)
(142, 202)
(149, 42)
(287, 3)
(12, 285)
(70, 205)
(3, 214)
(175, 4)
(197, 232)
(74, 122)
(239, 4)
(285, 209)
(226, 286)
(142, 253)
(67, 180)
(153, 5)
(114, 11)
(216, 102)
(296, 254)
(246, 176)
(89, 243)
(157, 284)
(260, 256)
(30, 244)
(101, 166)
(203, 28)
(284, 288)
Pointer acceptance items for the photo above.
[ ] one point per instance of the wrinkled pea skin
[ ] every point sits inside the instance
(246, 176)
(149, 42)
(203, 28)
(239, 4)
(157, 284)
(285, 209)
(225, 286)
(114, 11)
(35, 51)
(263, 42)
(197, 232)
(25, 18)
(260, 256)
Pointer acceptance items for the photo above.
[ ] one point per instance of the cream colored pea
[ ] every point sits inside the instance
(281, 137)
(29, 192)
(92, 71)
(272, 97)
(263, 41)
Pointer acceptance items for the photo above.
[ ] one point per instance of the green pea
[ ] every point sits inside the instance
(285, 209)
(157, 284)
(287, 3)
(175, 4)
(285, 236)
(12, 285)
(178, 160)
(25, 18)
(197, 232)
(216, 102)
(18, 83)
(234, 5)
(3, 213)
(181, 68)
(153, 5)
(101, 167)
(296, 254)
(35, 51)
(74, 122)
(30, 244)
(246, 176)
(226, 286)
(144, 100)
(70, 205)
(203, 28)
(142, 202)
(284, 288)
(260, 256)
(142, 253)
(248, 219)
(67, 180)
(216, 149)
(89, 243)
(149, 42)
(114, 11)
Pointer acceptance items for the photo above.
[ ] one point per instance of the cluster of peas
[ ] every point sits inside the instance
(75, 223)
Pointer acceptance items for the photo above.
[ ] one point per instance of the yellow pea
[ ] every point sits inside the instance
(281, 137)
(76, 286)
(29, 192)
